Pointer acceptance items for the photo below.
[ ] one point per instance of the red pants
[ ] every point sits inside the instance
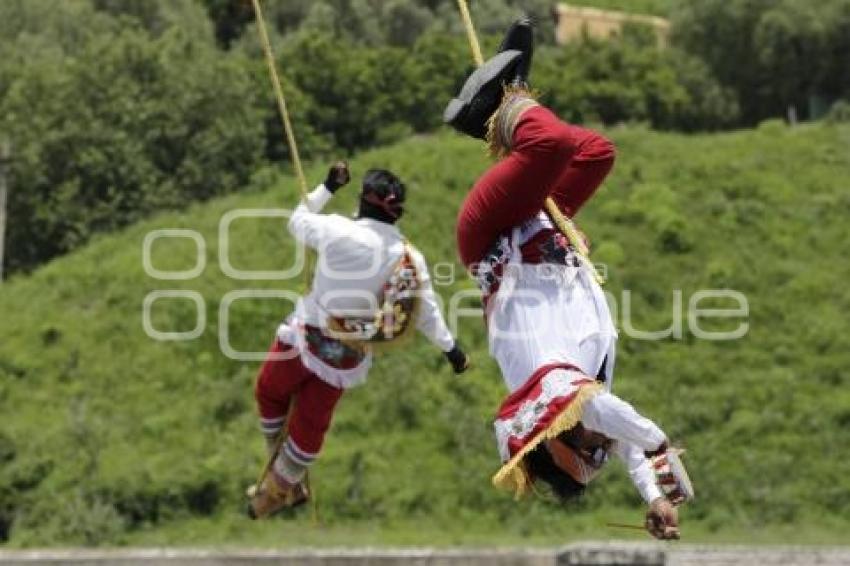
(278, 382)
(549, 159)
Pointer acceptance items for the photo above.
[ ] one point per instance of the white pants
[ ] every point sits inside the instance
(545, 314)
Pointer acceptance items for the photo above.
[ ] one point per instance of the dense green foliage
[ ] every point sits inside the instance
(118, 109)
(399, 22)
(108, 436)
(775, 54)
(113, 121)
(630, 81)
(375, 22)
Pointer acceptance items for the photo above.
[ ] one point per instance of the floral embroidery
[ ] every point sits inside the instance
(489, 270)
(394, 317)
(553, 386)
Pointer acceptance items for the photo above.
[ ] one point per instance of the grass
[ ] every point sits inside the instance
(111, 438)
(237, 532)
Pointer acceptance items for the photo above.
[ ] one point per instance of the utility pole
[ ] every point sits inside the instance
(5, 156)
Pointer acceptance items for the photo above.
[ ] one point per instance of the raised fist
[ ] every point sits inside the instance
(338, 176)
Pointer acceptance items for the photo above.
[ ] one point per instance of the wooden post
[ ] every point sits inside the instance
(5, 155)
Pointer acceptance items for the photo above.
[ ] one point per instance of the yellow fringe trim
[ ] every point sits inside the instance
(400, 339)
(512, 475)
(496, 146)
(407, 332)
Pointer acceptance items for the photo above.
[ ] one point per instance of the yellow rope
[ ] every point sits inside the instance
(281, 101)
(470, 33)
(565, 225)
(287, 123)
(278, 442)
(302, 185)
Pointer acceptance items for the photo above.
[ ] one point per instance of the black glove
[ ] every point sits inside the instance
(338, 176)
(459, 361)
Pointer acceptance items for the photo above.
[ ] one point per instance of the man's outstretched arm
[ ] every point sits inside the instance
(431, 322)
(633, 436)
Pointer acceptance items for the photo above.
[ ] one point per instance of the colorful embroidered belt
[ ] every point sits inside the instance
(332, 351)
(545, 247)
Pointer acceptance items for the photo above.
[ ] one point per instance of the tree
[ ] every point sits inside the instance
(405, 22)
(835, 82)
(791, 40)
(629, 79)
(773, 54)
(127, 126)
(229, 18)
(374, 22)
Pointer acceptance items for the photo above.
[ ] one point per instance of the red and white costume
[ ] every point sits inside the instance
(549, 325)
(355, 260)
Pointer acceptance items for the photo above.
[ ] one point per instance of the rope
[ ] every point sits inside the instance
(470, 33)
(565, 225)
(278, 442)
(284, 115)
(302, 184)
(281, 101)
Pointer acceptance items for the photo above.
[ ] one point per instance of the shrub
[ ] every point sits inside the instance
(840, 112)
(127, 125)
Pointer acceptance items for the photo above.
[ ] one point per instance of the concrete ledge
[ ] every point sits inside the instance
(583, 554)
(613, 553)
(331, 557)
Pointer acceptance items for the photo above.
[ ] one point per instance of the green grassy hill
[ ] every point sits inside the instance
(110, 437)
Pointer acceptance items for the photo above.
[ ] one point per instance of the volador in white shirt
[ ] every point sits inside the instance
(355, 259)
(364, 266)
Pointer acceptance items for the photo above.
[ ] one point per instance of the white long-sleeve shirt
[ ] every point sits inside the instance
(356, 258)
(633, 434)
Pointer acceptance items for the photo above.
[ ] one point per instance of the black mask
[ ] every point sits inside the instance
(382, 197)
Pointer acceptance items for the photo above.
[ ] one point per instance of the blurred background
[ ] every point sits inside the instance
(119, 118)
